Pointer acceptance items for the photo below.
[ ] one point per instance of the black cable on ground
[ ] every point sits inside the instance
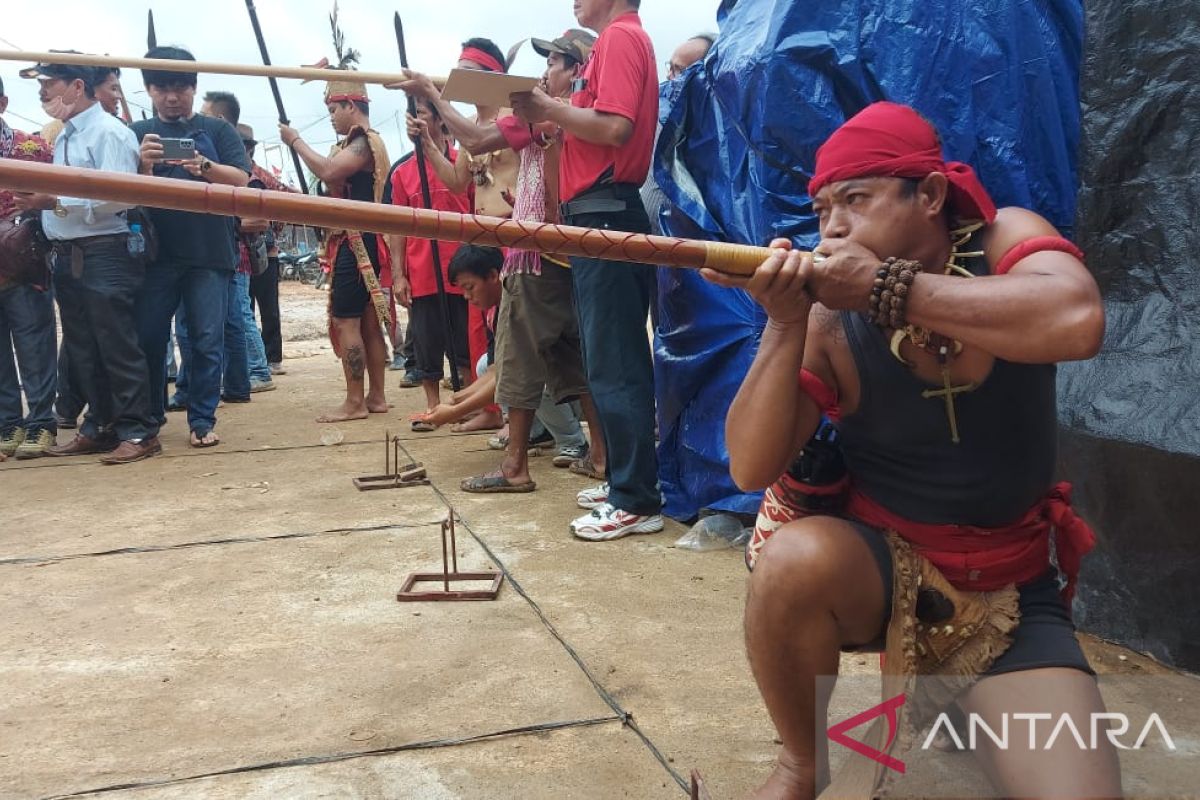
(122, 551)
(309, 761)
(625, 717)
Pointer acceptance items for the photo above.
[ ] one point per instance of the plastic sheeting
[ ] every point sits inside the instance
(739, 136)
(1132, 414)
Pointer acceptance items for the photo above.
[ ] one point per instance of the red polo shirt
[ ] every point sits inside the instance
(418, 253)
(620, 78)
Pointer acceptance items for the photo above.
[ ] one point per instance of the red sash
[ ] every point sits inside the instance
(985, 559)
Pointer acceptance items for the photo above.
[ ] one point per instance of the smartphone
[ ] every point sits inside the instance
(178, 149)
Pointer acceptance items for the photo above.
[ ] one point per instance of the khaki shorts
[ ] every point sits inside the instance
(537, 340)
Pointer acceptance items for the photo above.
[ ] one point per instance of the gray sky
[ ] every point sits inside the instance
(297, 32)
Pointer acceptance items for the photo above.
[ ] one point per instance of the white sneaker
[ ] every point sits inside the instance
(607, 522)
(593, 497)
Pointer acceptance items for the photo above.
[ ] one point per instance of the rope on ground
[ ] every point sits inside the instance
(309, 761)
(122, 551)
(625, 716)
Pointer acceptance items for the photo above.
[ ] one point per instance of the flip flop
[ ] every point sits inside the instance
(495, 484)
(198, 442)
(584, 466)
(421, 426)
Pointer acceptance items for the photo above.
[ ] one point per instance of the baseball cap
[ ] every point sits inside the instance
(66, 72)
(574, 42)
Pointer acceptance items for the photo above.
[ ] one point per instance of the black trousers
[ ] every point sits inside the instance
(70, 400)
(100, 335)
(264, 295)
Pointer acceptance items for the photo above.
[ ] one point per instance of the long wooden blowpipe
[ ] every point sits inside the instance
(324, 212)
(208, 67)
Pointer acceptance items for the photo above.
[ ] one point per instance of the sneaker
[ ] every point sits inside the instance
(497, 442)
(65, 423)
(606, 522)
(593, 497)
(410, 380)
(37, 441)
(262, 386)
(396, 364)
(277, 369)
(11, 439)
(570, 454)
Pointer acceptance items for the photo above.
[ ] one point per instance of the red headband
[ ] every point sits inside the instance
(481, 58)
(352, 98)
(891, 140)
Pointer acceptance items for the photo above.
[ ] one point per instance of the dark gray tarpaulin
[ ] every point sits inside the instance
(1131, 416)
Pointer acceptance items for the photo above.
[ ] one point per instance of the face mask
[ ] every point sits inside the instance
(58, 108)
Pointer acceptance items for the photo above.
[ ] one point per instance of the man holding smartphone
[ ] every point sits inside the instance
(197, 255)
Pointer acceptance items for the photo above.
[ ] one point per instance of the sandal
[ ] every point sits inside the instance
(584, 466)
(421, 426)
(495, 484)
(201, 440)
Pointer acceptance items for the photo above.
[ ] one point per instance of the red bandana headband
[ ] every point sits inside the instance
(349, 98)
(481, 58)
(892, 140)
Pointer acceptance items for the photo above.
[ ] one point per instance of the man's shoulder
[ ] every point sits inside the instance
(1012, 226)
(113, 126)
(625, 32)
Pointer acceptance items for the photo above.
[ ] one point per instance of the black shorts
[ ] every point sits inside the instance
(350, 297)
(429, 335)
(1044, 636)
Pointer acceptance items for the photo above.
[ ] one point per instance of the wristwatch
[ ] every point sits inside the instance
(205, 165)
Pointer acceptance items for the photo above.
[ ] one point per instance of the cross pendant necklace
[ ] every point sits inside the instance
(947, 393)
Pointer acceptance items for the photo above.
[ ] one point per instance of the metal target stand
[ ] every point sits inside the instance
(449, 576)
(395, 476)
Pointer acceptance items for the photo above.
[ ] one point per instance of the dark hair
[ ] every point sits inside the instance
(363, 107)
(635, 4)
(489, 47)
(228, 103)
(163, 78)
(90, 76)
(476, 260)
(102, 73)
(1, 87)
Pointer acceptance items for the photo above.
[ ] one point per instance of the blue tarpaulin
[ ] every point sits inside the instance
(740, 131)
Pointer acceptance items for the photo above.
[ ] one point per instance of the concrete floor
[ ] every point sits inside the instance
(222, 624)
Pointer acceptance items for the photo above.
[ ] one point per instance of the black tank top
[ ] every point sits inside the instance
(361, 186)
(897, 443)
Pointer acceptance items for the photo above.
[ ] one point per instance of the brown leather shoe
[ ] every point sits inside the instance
(130, 451)
(82, 446)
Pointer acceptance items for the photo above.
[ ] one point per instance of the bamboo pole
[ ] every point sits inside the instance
(208, 67)
(324, 212)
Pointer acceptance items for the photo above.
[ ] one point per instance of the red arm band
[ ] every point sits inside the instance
(1038, 244)
(821, 393)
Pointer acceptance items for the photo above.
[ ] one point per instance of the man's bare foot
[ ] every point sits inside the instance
(378, 405)
(483, 421)
(345, 412)
(785, 783)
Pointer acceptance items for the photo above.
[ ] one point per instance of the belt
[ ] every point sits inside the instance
(610, 198)
(84, 242)
(75, 248)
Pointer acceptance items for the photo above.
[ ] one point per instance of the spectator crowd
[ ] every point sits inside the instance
(157, 307)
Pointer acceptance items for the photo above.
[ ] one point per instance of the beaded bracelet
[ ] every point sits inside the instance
(889, 293)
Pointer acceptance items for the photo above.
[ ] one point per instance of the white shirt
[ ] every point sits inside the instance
(92, 139)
